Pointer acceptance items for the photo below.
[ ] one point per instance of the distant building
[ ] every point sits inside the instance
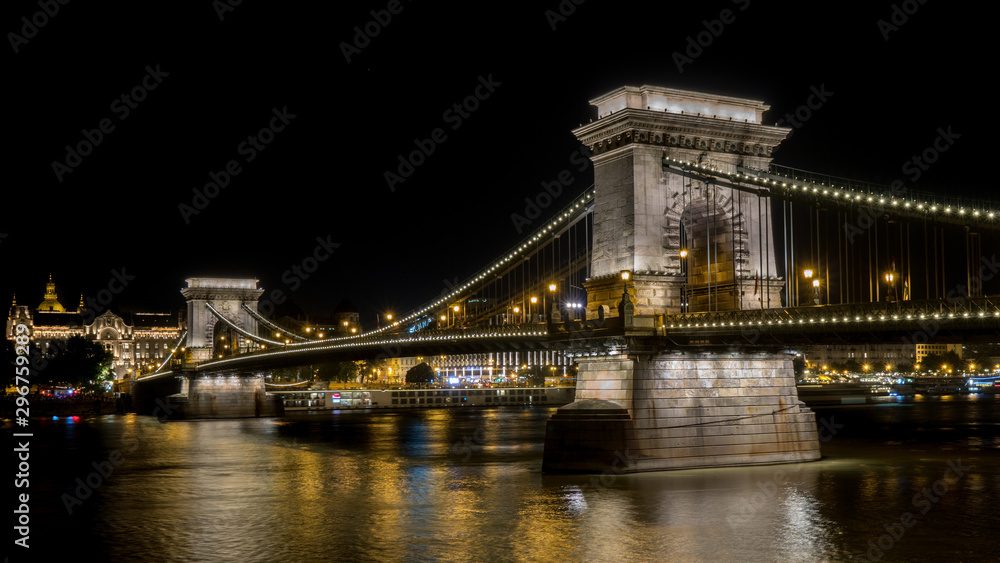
(347, 319)
(878, 355)
(983, 351)
(924, 350)
(138, 341)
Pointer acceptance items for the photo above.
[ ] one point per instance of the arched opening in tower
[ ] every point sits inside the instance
(712, 235)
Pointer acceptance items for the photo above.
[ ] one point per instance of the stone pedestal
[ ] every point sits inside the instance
(225, 396)
(688, 409)
(590, 435)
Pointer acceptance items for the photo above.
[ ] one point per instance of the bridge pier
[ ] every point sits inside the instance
(698, 408)
(190, 396)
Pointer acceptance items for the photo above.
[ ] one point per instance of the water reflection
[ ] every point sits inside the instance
(459, 485)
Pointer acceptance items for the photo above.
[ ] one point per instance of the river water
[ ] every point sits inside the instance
(466, 485)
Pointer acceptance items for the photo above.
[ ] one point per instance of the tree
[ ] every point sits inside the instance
(798, 366)
(421, 373)
(78, 363)
(9, 360)
(342, 372)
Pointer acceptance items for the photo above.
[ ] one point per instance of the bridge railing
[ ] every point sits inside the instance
(869, 188)
(963, 308)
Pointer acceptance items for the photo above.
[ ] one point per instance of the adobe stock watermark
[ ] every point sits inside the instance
(455, 116)
(551, 190)
(804, 112)
(767, 491)
(925, 501)
(122, 107)
(116, 284)
(223, 7)
(470, 444)
(104, 469)
(31, 26)
(898, 16)
(697, 44)
(249, 150)
(914, 169)
(565, 9)
(621, 463)
(364, 34)
(297, 273)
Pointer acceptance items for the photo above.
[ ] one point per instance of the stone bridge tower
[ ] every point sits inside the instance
(227, 296)
(644, 403)
(645, 216)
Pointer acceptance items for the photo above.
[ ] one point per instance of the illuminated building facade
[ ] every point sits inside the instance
(138, 341)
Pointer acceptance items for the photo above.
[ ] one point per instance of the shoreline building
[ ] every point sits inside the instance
(139, 341)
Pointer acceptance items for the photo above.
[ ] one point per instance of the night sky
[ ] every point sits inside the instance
(217, 81)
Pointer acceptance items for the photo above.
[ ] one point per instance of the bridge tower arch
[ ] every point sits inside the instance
(225, 295)
(639, 207)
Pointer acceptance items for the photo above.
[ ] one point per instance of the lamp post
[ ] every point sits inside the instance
(816, 292)
(890, 280)
(554, 316)
(534, 301)
(684, 273)
(626, 309)
(808, 274)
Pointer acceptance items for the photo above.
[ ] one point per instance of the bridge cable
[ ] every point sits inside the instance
(240, 330)
(171, 354)
(262, 319)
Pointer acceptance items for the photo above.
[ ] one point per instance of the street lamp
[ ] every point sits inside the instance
(890, 279)
(807, 274)
(626, 303)
(555, 307)
(534, 301)
(684, 271)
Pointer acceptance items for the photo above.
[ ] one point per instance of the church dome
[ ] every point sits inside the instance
(51, 301)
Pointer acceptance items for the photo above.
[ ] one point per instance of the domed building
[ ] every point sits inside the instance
(138, 341)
